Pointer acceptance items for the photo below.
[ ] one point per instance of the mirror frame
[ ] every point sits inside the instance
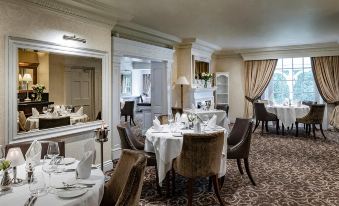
(11, 66)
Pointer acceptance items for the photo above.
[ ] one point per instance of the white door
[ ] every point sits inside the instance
(82, 90)
(158, 88)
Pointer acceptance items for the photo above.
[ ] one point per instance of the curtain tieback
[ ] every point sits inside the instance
(251, 99)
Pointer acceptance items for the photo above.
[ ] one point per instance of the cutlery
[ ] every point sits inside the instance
(33, 201)
(28, 201)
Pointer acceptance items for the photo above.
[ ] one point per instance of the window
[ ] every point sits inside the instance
(292, 80)
(126, 83)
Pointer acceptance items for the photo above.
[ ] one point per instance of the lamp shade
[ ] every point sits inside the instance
(182, 80)
(27, 78)
(15, 156)
(20, 78)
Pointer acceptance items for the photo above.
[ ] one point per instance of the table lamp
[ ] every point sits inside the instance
(182, 81)
(27, 78)
(16, 157)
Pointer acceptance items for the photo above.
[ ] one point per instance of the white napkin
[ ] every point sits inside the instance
(62, 108)
(90, 146)
(156, 124)
(177, 117)
(83, 170)
(184, 118)
(35, 112)
(80, 111)
(212, 122)
(33, 154)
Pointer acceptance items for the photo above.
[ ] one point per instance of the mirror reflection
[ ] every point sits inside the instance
(55, 90)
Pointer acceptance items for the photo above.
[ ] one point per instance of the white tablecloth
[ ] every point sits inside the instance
(222, 119)
(92, 197)
(167, 147)
(288, 114)
(33, 122)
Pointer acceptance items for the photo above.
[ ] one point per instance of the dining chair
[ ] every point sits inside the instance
(308, 103)
(22, 121)
(224, 107)
(200, 157)
(98, 116)
(263, 116)
(128, 110)
(239, 143)
(129, 141)
(24, 146)
(314, 116)
(46, 123)
(177, 110)
(163, 119)
(124, 187)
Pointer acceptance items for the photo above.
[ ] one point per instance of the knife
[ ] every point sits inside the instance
(33, 201)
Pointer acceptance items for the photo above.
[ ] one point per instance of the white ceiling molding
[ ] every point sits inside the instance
(225, 54)
(85, 10)
(313, 50)
(143, 34)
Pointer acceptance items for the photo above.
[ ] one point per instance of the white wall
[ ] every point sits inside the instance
(33, 23)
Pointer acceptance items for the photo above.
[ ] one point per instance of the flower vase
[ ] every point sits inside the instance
(205, 84)
(6, 181)
(38, 97)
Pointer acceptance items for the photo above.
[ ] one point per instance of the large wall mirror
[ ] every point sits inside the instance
(200, 65)
(56, 90)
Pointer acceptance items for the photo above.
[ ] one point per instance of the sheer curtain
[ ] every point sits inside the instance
(258, 74)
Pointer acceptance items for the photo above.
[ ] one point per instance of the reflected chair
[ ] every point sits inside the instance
(44, 146)
(22, 121)
(224, 107)
(200, 157)
(124, 187)
(129, 141)
(239, 142)
(263, 116)
(46, 123)
(314, 116)
(163, 119)
(177, 110)
(98, 116)
(128, 110)
(308, 103)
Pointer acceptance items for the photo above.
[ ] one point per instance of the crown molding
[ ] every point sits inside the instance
(223, 54)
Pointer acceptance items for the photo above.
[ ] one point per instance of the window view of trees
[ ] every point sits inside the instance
(292, 80)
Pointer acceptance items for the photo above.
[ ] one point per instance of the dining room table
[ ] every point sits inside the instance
(167, 144)
(91, 194)
(288, 114)
(222, 119)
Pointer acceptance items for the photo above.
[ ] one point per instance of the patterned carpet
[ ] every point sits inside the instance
(287, 170)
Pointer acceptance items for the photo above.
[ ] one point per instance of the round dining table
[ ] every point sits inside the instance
(20, 193)
(288, 114)
(167, 145)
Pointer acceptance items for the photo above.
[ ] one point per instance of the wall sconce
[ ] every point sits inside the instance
(74, 38)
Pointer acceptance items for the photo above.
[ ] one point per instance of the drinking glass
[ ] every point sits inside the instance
(53, 150)
(205, 119)
(170, 119)
(37, 186)
(45, 110)
(48, 167)
(60, 164)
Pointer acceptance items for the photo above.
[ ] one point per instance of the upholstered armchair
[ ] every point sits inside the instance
(224, 107)
(314, 116)
(128, 110)
(200, 157)
(177, 110)
(239, 142)
(129, 141)
(263, 116)
(22, 121)
(124, 187)
(163, 119)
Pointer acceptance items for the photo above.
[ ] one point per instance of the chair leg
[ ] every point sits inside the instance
(210, 184)
(190, 191)
(322, 131)
(313, 129)
(173, 181)
(239, 167)
(132, 117)
(296, 129)
(283, 129)
(248, 171)
(262, 127)
(168, 184)
(216, 189)
(157, 180)
(125, 118)
(277, 127)
(256, 125)
(221, 181)
(266, 125)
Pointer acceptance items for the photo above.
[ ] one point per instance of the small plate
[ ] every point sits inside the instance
(69, 160)
(71, 193)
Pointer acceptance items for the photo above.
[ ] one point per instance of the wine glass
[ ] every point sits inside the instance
(60, 164)
(37, 186)
(48, 167)
(191, 118)
(170, 121)
(205, 119)
(53, 150)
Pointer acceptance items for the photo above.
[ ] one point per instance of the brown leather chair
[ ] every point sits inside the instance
(22, 121)
(98, 116)
(163, 119)
(314, 116)
(128, 110)
(44, 146)
(239, 141)
(46, 123)
(263, 116)
(129, 141)
(224, 107)
(176, 110)
(200, 157)
(124, 187)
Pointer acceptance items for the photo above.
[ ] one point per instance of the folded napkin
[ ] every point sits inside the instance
(35, 112)
(62, 108)
(177, 117)
(156, 124)
(90, 146)
(83, 170)
(80, 111)
(33, 154)
(212, 122)
(184, 118)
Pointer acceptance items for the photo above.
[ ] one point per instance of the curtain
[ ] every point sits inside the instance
(326, 75)
(146, 84)
(258, 74)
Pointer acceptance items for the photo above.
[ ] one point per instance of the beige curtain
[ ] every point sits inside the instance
(258, 74)
(326, 76)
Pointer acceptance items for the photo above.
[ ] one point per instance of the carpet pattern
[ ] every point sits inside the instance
(287, 170)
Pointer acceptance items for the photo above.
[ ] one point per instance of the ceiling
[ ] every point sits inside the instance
(239, 24)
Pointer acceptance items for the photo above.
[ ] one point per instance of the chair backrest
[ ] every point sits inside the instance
(163, 119)
(22, 121)
(176, 110)
(200, 155)
(238, 131)
(45, 123)
(98, 116)
(308, 103)
(124, 187)
(224, 107)
(260, 111)
(128, 139)
(316, 113)
(44, 146)
(128, 108)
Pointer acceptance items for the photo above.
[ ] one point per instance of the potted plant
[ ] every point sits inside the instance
(206, 77)
(38, 89)
(6, 180)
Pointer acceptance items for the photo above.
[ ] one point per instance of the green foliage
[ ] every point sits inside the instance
(5, 164)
